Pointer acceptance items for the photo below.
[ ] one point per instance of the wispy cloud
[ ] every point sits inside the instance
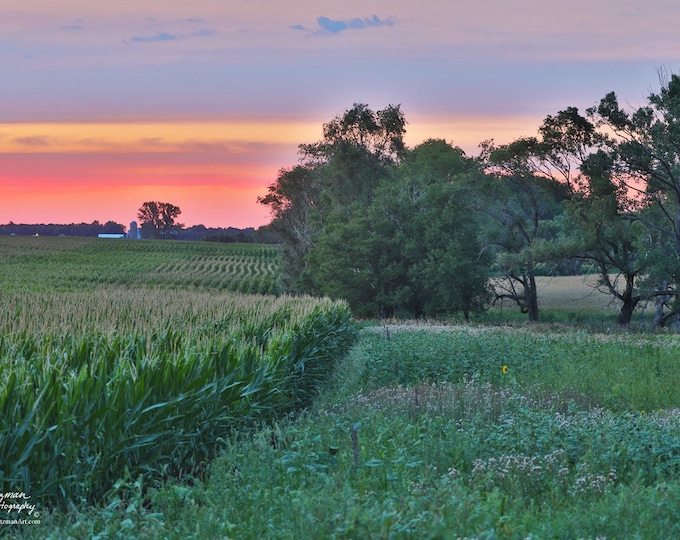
(328, 26)
(204, 32)
(180, 35)
(32, 141)
(233, 150)
(158, 36)
(77, 25)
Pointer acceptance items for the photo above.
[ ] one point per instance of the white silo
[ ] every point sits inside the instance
(134, 232)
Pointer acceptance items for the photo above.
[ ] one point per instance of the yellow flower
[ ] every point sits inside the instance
(505, 370)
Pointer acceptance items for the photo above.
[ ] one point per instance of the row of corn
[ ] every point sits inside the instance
(79, 411)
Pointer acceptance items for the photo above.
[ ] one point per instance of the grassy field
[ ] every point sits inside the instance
(422, 431)
(574, 294)
(574, 300)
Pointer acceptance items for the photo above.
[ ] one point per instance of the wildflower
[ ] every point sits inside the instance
(505, 370)
(453, 473)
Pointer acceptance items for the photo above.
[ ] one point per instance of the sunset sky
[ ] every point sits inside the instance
(105, 105)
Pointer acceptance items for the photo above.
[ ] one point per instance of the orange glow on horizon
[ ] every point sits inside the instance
(468, 132)
(216, 136)
(214, 171)
(112, 137)
(210, 205)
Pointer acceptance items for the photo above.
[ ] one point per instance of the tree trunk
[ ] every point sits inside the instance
(629, 301)
(626, 313)
(531, 294)
(527, 298)
(659, 317)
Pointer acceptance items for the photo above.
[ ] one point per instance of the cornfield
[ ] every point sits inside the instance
(129, 375)
(78, 263)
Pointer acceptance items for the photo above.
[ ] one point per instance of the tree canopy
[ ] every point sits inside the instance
(158, 219)
(430, 231)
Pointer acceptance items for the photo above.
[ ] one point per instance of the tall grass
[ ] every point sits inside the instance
(620, 371)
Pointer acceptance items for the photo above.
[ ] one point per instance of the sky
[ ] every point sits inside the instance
(106, 105)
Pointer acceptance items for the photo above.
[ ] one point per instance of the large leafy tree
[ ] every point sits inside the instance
(158, 219)
(414, 248)
(365, 260)
(603, 229)
(644, 145)
(336, 177)
(454, 271)
(452, 266)
(522, 209)
(294, 202)
(356, 154)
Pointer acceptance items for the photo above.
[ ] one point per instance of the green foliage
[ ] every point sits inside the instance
(335, 181)
(413, 249)
(360, 216)
(77, 411)
(99, 380)
(471, 452)
(367, 220)
(642, 147)
(453, 270)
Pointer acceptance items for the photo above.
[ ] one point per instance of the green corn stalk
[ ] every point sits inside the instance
(156, 403)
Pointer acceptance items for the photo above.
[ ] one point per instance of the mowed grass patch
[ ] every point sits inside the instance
(569, 294)
(570, 300)
(574, 294)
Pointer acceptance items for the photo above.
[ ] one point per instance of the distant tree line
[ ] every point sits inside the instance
(73, 229)
(250, 235)
(262, 235)
(158, 220)
(431, 231)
